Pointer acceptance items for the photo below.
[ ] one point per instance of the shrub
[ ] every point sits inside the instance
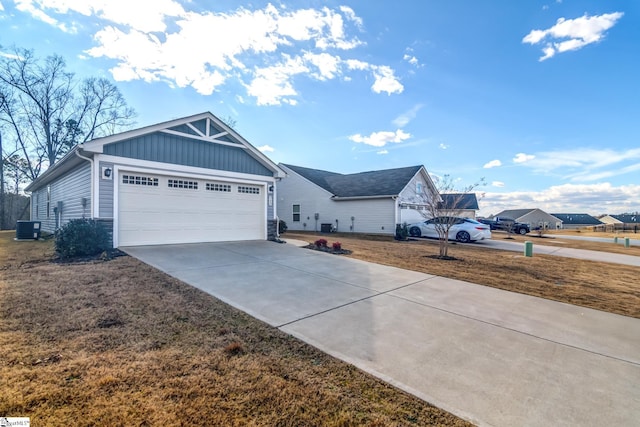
(337, 246)
(282, 226)
(81, 237)
(321, 243)
(402, 231)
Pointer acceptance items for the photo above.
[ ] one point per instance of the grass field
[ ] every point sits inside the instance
(118, 343)
(602, 286)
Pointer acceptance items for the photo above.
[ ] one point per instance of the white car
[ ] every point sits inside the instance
(463, 230)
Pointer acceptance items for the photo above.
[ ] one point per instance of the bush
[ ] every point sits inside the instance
(402, 231)
(321, 243)
(337, 246)
(282, 226)
(81, 237)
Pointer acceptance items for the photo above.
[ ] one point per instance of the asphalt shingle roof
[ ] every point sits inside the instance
(577, 219)
(459, 201)
(628, 219)
(388, 182)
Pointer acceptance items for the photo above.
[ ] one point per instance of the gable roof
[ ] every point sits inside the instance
(514, 213)
(628, 219)
(577, 219)
(458, 201)
(388, 182)
(204, 127)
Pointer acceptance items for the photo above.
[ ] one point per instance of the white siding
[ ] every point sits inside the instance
(370, 215)
(70, 189)
(410, 196)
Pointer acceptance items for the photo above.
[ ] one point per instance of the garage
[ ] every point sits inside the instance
(162, 209)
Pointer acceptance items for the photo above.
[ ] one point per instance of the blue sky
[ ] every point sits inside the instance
(539, 98)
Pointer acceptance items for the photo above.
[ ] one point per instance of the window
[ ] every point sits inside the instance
(48, 199)
(219, 187)
(180, 183)
(419, 188)
(248, 190)
(296, 213)
(139, 180)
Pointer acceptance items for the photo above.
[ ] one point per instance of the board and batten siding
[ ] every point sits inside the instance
(370, 215)
(71, 190)
(105, 193)
(174, 149)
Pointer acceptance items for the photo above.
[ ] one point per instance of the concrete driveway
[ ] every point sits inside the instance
(490, 356)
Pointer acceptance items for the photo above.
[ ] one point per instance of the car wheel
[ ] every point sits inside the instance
(522, 231)
(415, 232)
(463, 237)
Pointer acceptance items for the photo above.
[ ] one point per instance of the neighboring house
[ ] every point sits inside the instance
(365, 202)
(622, 222)
(573, 220)
(187, 180)
(631, 219)
(535, 218)
(462, 204)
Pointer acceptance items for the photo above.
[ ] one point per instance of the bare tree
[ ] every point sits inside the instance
(46, 111)
(444, 213)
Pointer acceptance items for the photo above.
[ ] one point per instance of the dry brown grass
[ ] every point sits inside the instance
(554, 238)
(602, 286)
(119, 343)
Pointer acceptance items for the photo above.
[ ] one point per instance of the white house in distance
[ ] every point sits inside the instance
(533, 217)
(365, 202)
(187, 180)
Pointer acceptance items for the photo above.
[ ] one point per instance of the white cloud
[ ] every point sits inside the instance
(572, 34)
(264, 49)
(498, 184)
(403, 119)
(383, 152)
(380, 139)
(523, 158)
(593, 199)
(386, 81)
(583, 164)
(443, 146)
(492, 164)
(411, 59)
(266, 148)
(1, 7)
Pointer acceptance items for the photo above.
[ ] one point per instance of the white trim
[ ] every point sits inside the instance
(205, 138)
(193, 128)
(116, 189)
(172, 168)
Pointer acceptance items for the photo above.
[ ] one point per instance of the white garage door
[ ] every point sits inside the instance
(156, 209)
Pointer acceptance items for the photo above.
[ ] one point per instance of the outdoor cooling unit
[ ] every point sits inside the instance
(28, 230)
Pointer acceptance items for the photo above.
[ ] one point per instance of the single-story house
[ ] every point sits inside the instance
(460, 204)
(187, 180)
(535, 218)
(631, 219)
(365, 202)
(573, 220)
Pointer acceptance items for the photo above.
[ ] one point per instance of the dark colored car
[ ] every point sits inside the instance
(506, 224)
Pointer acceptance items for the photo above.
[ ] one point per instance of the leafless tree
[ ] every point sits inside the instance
(446, 212)
(45, 110)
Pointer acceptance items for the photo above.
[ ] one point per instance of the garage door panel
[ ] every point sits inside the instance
(160, 214)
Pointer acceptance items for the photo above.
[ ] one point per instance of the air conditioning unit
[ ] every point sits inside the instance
(28, 230)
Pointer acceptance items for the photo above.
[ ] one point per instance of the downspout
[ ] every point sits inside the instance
(90, 160)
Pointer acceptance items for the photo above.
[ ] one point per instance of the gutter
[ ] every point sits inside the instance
(388, 196)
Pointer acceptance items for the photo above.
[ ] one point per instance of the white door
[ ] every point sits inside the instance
(157, 209)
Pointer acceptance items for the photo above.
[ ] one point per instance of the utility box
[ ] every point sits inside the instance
(28, 230)
(326, 228)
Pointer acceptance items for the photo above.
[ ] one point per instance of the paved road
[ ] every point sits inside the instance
(561, 251)
(633, 241)
(493, 357)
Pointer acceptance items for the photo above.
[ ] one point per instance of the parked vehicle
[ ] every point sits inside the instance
(506, 224)
(463, 230)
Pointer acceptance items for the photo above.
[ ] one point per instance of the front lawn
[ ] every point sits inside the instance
(118, 343)
(609, 287)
